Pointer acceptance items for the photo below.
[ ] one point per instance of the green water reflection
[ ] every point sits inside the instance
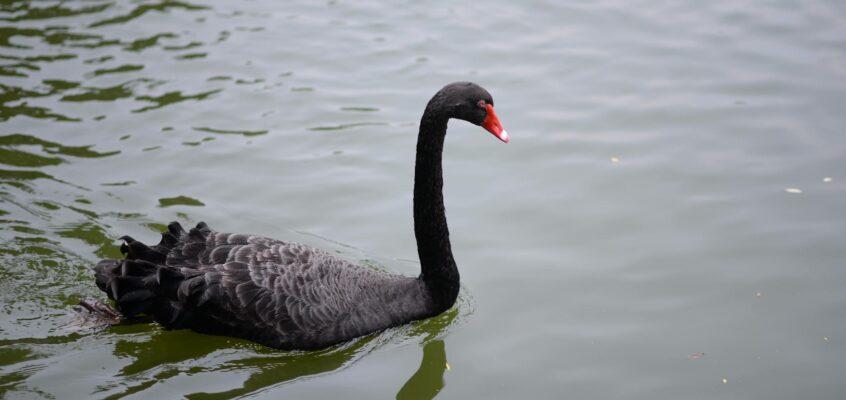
(10, 142)
(142, 9)
(161, 355)
(428, 380)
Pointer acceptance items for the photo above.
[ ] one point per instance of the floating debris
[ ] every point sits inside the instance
(615, 160)
(758, 294)
(725, 380)
(447, 367)
(827, 179)
(825, 338)
(696, 356)
(793, 190)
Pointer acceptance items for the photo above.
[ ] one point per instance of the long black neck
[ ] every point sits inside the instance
(438, 269)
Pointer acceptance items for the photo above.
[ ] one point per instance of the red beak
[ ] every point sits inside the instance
(492, 124)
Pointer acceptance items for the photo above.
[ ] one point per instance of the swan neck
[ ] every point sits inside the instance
(438, 268)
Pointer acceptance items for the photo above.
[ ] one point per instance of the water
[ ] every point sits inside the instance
(641, 237)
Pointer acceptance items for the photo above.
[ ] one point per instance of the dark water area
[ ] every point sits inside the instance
(666, 222)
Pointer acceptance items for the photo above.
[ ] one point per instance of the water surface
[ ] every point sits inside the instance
(667, 221)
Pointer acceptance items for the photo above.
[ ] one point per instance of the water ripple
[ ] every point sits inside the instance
(142, 9)
(230, 132)
(28, 10)
(172, 98)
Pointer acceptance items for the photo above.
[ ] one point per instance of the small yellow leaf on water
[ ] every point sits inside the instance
(447, 366)
(793, 190)
(725, 380)
(615, 160)
(827, 179)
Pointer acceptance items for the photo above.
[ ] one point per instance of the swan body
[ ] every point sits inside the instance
(291, 296)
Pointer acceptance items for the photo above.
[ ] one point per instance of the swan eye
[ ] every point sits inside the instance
(481, 104)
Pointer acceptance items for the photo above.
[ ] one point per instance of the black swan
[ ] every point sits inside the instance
(290, 296)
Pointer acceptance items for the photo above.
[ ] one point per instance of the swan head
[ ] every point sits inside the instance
(472, 103)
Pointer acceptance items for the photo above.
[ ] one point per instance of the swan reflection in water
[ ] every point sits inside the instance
(213, 363)
(429, 378)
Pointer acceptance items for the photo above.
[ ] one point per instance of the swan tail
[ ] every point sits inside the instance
(130, 283)
(143, 283)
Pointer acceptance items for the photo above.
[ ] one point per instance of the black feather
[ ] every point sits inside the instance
(280, 294)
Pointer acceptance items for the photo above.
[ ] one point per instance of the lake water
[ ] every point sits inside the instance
(667, 222)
